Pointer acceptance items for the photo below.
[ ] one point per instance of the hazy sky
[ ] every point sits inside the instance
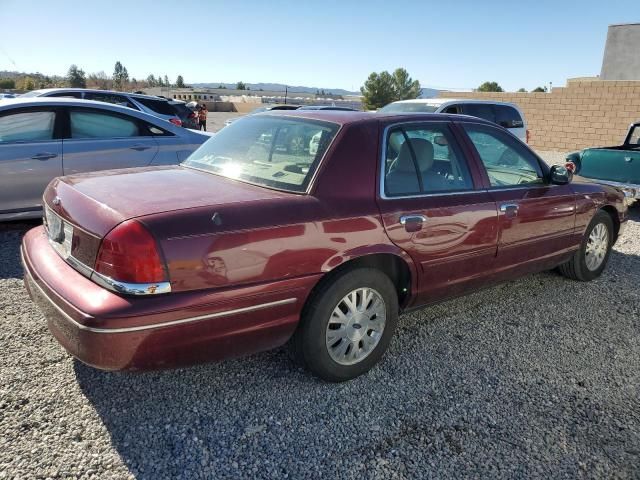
(327, 44)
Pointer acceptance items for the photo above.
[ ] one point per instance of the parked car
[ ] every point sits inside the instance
(157, 106)
(43, 138)
(268, 108)
(188, 117)
(507, 115)
(327, 107)
(4, 96)
(618, 165)
(246, 245)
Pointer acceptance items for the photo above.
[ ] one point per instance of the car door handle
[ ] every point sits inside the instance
(509, 208)
(44, 156)
(405, 219)
(140, 148)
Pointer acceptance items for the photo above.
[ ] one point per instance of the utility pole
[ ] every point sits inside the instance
(286, 90)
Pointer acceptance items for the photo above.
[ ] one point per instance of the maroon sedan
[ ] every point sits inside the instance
(317, 228)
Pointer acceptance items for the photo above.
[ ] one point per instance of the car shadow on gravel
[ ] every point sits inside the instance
(11, 234)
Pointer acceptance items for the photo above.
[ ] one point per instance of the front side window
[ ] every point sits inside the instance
(27, 127)
(423, 159)
(101, 125)
(506, 161)
(276, 152)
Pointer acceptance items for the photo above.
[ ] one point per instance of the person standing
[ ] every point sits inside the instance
(202, 116)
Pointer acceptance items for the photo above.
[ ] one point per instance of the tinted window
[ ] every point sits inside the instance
(27, 127)
(109, 98)
(424, 159)
(159, 106)
(66, 95)
(279, 152)
(100, 125)
(508, 117)
(480, 110)
(506, 160)
(451, 109)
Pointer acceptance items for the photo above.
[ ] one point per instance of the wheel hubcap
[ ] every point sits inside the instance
(597, 247)
(356, 325)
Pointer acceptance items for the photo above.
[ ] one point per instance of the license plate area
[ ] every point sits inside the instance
(60, 233)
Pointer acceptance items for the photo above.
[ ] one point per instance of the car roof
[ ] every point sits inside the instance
(442, 101)
(75, 102)
(44, 91)
(344, 117)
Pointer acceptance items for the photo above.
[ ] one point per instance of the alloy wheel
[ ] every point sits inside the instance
(356, 326)
(597, 246)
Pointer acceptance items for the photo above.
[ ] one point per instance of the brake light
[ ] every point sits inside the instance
(193, 115)
(130, 254)
(528, 135)
(176, 121)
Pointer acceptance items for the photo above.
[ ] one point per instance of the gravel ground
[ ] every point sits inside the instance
(534, 378)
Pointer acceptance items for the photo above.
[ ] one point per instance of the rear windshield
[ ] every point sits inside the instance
(412, 107)
(276, 152)
(159, 106)
(181, 109)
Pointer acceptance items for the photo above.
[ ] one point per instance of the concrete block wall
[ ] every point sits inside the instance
(585, 113)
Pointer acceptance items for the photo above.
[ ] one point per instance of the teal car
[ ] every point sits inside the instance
(618, 166)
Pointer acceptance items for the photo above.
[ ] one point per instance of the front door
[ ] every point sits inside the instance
(432, 208)
(30, 157)
(101, 140)
(537, 219)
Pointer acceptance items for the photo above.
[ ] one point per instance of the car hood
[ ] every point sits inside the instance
(98, 201)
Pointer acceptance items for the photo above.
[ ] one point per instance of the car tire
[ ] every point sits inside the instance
(339, 347)
(583, 268)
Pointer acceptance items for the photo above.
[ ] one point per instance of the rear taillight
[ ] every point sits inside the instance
(193, 115)
(176, 121)
(528, 135)
(130, 254)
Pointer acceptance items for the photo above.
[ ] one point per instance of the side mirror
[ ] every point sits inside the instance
(560, 175)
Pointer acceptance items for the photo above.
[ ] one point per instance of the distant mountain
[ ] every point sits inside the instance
(277, 87)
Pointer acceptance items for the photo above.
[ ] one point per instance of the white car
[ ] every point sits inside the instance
(507, 115)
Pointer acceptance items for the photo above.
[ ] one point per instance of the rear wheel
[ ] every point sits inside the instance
(347, 325)
(591, 258)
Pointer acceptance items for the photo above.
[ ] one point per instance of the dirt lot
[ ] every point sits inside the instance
(535, 378)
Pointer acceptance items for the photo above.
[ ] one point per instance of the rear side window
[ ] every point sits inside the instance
(66, 95)
(480, 110)
(27, 127)
(508, 117)
(109, 98)
(182, 110)
(159, 106)
(423, 159)
(634, 136)
(100, 125)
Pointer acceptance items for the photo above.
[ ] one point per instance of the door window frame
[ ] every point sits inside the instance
(462, 148)
(58, 123)
(544, 168)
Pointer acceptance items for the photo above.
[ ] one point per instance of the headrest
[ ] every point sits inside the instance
(424, 154)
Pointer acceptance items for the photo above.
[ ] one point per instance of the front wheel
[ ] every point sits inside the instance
(347, 325)
(592, 256)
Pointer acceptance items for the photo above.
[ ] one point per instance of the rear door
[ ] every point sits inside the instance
(30, 157)
(434, 208)
(537, 219)
(100, 140)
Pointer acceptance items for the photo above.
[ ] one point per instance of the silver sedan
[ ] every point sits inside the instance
(43, 138)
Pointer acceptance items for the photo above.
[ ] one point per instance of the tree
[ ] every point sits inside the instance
(405, 87)
(180, 82)
(241, 86)
(98, 80)
(490, 87)
(151, 81)
(76, 77)
(167, 83)
(539, 90)
(522, 90)
(8, 83)
(378, 90)
(120, 76)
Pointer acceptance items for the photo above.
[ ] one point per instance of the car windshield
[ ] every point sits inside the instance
(271, 151)
(32, 93)
(409, 107)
